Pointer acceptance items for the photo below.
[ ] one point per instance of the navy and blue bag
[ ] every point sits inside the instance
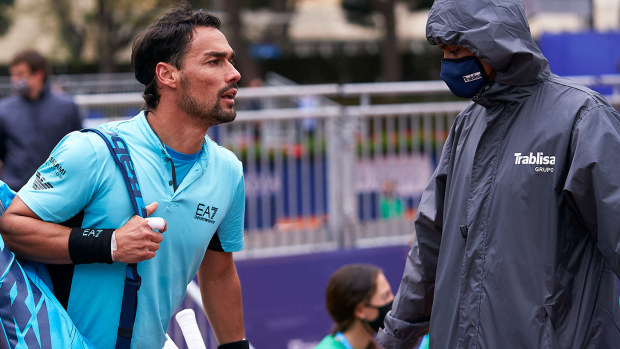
(30, 315)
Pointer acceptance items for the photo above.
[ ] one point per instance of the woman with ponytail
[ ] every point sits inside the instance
(358, 297)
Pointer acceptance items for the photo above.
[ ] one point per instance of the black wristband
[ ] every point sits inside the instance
(242, 344)
(88, 245)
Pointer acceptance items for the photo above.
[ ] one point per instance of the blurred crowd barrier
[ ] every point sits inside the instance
(326, 166)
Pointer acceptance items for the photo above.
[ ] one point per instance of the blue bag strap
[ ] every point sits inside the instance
(120, 152)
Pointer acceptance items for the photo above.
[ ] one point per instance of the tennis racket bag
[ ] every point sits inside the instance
(30, 315)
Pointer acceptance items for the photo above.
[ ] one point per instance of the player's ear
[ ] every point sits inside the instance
(167, 74)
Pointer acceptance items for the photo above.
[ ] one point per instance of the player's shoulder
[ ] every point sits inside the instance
(125, 129)
(118, 126)
(84, 145)
(78, 158)
(129, 129)
(222, 154)
(82, 141)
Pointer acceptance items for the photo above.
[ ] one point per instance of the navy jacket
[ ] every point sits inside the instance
(29, 130)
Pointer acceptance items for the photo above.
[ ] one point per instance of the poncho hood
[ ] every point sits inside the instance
(496, 31)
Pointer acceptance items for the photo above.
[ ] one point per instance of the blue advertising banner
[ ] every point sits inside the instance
(584, 53)
(284, 297)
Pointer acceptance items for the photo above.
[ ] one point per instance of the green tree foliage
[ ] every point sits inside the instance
(234, 27)
(5, 18)
(112, 24)
(360, 12)
(420, 4)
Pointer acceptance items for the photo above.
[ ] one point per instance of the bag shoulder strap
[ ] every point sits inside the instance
(120, 152)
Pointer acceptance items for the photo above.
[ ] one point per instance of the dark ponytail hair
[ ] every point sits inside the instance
(349, 286)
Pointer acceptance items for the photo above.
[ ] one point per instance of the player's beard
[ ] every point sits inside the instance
(198, 109)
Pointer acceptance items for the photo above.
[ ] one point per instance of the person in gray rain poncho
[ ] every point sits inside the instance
(518, 232)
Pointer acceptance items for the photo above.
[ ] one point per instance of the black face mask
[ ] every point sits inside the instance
(377, 323)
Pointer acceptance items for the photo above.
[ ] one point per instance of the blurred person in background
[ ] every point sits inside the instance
(518, 232)
(391, 205)
(32, 120)
(255, 104)
(358, 296)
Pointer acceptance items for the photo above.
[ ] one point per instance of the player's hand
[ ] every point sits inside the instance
(136, 241)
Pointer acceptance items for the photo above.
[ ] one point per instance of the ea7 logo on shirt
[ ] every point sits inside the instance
(205, 213)
(539, 159)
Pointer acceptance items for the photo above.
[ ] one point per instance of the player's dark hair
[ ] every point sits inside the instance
(167, 40)
(35, 61)
(348, 287)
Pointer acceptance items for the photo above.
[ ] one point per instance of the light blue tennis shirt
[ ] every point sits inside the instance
(81, 175)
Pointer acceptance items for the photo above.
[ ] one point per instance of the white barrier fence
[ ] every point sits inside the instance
(323, 175)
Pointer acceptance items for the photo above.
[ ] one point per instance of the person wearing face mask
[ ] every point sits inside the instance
(517, 238)
(358, 297)
(32, 120)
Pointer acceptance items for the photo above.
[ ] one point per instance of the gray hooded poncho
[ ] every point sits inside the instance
(518, 232)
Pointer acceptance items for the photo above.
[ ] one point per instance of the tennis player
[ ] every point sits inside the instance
(75, 213)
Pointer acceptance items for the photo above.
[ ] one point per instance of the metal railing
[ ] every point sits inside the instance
(82, 84)
(322, 175)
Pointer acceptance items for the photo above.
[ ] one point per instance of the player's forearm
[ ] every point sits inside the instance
(36, 240)
(222, 302)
